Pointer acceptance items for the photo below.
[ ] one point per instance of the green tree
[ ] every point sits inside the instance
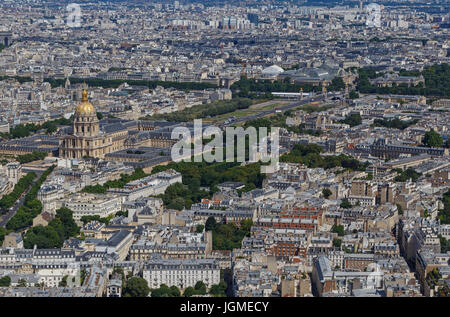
(337, 242)
(178, 204)
(51, 128)
(174, 291)
(326, 193)
(34, 156)
(42, 237)
(94, 189)
(339, 229)
(63, 282)
(353, 95)
(399, 209)
(394, 123)
(59, 229)
(83, 274)
(198, 229)
(336, 84)
(188, 292)
(444, 214)
(2, 234)
(219, 290)
(246, 225)
(22, 283)
(136, 287)
(65, 215)
(5, 281)
(445, 244)
(210, 223)
(164, 291)
(353, 120)
(345, 204)
(7, 201)
(432, 139)
(200, 288)
(409, 173)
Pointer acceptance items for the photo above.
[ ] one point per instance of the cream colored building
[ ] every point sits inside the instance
(93, 205)
(14, 172)
(87, 140)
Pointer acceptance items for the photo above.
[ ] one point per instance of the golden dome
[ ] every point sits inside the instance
(85, 107)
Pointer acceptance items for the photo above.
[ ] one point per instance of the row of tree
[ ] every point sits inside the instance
(31, 207)
(445, 244)
(22, 185)
(407, 174)
(151, 84)
(394, 123)
(309, 155)
(19, 79)
(247, 85)
(138, 287)
(444, 214)
(31, 157)
(279, 121)
(24, 130)
(87, 219)
(118, 183)
(213, 109)
(2, 234)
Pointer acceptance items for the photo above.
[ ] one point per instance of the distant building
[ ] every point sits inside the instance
(4, 127)
(114, 288)
(13, 240)
(118, 243)
(86, 139)
(42, 219)
(383, 150)
(272, 72)
(51, 197)
(226, 186)
(14, 172)
(181, 273)
(93, 205)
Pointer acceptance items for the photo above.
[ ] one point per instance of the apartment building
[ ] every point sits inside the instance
(181, 273)
(93, 205)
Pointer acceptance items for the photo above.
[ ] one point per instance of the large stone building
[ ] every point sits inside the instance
(93, 205)
(139, 144)
(181, 273)
(87, 139)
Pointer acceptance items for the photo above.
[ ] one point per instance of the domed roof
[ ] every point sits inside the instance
(85, 107)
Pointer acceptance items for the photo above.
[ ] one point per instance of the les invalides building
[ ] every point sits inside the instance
(142, 141)
(86, 139)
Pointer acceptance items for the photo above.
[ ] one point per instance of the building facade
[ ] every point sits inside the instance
(86, 139)
(181, 273)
